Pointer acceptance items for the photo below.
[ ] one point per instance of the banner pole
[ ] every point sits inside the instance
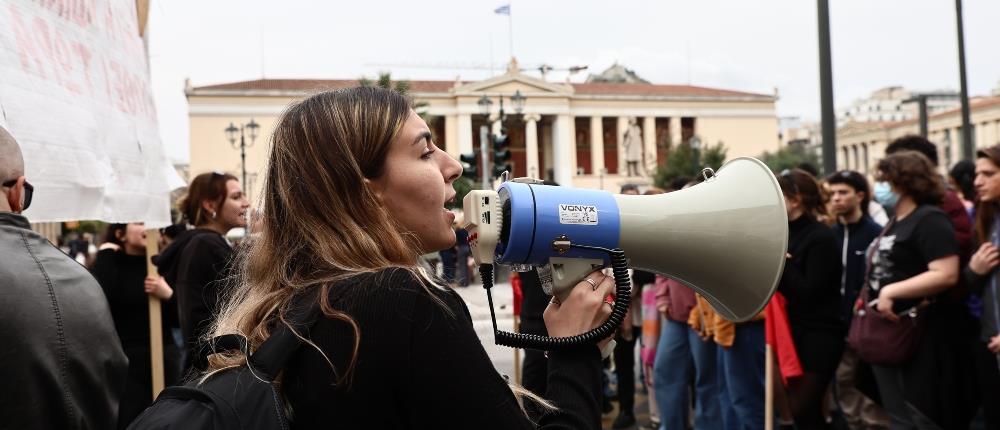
(155, 323)
(768, 387)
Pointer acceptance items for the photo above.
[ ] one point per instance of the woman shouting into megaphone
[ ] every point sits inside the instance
(354, 192)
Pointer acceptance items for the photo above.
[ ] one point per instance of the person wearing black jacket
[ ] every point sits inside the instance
(62, 365)
(121, 271)
(854, 232)
(355, 192)
(810, 283)
(196, 261)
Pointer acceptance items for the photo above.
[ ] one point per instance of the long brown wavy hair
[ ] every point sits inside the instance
(321, 222)
(986, 212)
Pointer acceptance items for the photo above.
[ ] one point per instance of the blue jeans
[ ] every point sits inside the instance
(741, 371)
(679, 353)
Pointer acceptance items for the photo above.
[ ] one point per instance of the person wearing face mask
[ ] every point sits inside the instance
(120, 268)
(62, 365)
(912, 264)
(354, 193)
(810, 283)
(951, 204)
(195, 264)
(981, 277)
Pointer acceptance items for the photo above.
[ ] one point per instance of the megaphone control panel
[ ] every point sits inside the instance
(482, 220)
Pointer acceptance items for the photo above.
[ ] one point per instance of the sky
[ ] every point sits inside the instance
(756, 46)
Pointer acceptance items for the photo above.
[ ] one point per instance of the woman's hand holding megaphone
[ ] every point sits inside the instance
(583, 310)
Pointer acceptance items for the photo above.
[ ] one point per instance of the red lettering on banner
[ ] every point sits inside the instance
(50, 53)
(25, 45)
(85, 55)
(79, 12)
(130, 95)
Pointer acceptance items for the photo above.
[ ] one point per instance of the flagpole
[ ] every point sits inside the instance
(510, 29)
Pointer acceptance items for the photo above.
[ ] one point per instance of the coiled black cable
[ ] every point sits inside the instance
(623, 290)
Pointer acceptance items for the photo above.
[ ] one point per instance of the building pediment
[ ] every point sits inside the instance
(511, 82)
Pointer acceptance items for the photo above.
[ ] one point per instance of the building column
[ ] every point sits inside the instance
(451, 135)
(572, 145)
(649, 144)
(981, 130)
(622, 127)
(675, 130)
(994, 135)
(596, 145)
(465, 134)
(562, 151)
(531, 145)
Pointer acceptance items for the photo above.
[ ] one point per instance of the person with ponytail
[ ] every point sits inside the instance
(355, 191)
(196, 262)
(810, 283)
(981, 278)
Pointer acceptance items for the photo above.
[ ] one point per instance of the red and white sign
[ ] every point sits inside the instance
(75, 93)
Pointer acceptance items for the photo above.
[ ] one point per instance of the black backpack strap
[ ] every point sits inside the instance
(272, 355)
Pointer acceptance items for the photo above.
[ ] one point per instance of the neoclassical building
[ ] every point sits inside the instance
(569, 132)
(861, 144)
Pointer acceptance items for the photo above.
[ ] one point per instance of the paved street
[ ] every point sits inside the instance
(503, 357)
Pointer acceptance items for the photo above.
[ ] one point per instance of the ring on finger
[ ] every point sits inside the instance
(592, 284)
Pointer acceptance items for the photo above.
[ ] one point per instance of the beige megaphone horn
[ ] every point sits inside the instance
(725, 237)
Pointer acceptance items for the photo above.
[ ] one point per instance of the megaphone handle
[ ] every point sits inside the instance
(619, 267)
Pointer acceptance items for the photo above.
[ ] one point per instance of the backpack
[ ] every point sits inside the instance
(243, 397)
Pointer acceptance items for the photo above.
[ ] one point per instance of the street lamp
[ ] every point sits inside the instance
(695, 143)
(518, 101)
(251, 128)
(484, 105)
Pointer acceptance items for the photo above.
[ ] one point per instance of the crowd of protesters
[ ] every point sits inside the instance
(889, 297)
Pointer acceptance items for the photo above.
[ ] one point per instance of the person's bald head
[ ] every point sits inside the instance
(11, 168)
(11, 160)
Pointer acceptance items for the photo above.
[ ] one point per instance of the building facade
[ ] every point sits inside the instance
(896, 104)
(569, 132)
(861, 144)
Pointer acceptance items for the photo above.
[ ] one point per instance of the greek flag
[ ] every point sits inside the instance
(503, 10)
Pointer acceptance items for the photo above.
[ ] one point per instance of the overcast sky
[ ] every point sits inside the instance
(734, 44)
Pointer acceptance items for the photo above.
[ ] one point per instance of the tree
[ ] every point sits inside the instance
(790, 157)
(462, 187)
(680, 162)
(384, 80)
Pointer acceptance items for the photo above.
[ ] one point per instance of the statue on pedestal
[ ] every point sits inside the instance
(632, 144)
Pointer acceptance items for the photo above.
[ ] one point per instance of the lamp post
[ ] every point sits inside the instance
(484, 132)
(968, 146)
(695, 143)
(517, 100)
(251, 128)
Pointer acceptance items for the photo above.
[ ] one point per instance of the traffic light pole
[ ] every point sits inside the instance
(484, 136)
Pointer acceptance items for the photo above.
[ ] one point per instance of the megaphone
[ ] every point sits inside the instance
(726, 238)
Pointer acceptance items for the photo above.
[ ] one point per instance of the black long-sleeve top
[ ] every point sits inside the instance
(421, 365)
(122, 277)
(195, 265)
(811, 278)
